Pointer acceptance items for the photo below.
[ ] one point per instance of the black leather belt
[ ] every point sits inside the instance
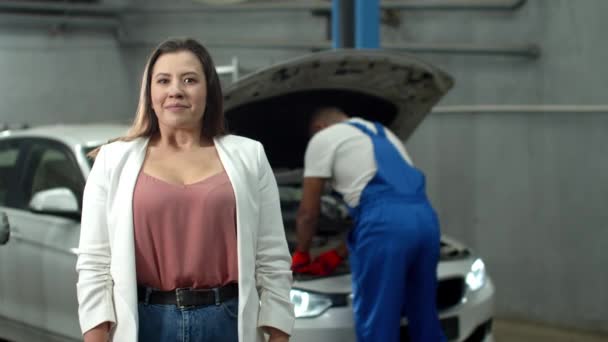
(187, 297)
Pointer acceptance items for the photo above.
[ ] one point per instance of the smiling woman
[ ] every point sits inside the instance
(178, 90)
(171, 243)
(198, 62)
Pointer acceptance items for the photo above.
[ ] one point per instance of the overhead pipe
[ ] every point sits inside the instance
(527, 50)
(421, 5)
(451, 5)
(60, 16)
(46, 8)
(59, 22)
(245, 43)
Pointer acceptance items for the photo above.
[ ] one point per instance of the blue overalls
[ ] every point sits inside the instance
(394, 250)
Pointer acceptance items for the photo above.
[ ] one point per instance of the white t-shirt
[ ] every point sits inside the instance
(345, 154)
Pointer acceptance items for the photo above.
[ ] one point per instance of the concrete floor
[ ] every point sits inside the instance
(516, 331)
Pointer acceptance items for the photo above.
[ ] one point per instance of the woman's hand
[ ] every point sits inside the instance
(100, 333)
(276, 335)
(279, 338)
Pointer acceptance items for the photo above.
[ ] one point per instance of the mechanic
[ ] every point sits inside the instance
(394, 245)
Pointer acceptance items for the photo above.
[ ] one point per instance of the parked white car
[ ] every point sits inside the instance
(43, 171)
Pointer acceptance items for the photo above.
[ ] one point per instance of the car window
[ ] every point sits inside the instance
(86, 152)
(9, 153)
(51, 165)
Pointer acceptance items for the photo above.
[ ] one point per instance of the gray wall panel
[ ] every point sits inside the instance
(61, 79)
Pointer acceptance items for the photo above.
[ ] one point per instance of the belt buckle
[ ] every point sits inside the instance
(179, 299)
(216, 295)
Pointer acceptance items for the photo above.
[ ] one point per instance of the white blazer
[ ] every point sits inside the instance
(107, 286)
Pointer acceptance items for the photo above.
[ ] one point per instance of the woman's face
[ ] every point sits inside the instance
(178, 90)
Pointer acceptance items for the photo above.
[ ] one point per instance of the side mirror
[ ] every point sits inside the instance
(60, 201)
(5, 229)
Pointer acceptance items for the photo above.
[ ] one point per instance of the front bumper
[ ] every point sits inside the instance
(474, 314)
(335, 324)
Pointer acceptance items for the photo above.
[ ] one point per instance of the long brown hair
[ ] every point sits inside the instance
(145, 123)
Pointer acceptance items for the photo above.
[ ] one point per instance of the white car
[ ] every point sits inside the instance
(43, 171)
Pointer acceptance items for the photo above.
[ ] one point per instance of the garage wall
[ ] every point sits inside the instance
(526, 190)
(50, 77)
(224, 33)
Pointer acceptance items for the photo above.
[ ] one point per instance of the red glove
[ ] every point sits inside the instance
(299, 261)
(323, 265)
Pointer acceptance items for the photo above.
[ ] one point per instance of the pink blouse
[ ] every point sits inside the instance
(185, 235)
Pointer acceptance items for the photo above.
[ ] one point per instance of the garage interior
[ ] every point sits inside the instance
(514, 154)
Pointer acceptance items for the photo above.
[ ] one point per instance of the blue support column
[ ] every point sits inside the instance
(367, 24)
(335, 24)
(342, 23)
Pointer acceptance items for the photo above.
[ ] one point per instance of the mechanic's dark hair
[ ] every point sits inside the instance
(326, 115)
(146, 123)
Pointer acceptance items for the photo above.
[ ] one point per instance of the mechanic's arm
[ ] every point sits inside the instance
(342, 249)
(308, 213)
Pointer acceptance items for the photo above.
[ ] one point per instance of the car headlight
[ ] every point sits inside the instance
(476, 277)
(308, 304)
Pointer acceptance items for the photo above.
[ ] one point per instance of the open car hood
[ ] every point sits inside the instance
(273, 105)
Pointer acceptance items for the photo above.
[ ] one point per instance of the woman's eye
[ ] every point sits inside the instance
(162, 81)
(190, 80)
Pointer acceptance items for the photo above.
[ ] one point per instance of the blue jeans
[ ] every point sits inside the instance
(168, 323)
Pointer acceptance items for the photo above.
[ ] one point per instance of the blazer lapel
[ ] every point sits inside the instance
(124, 242)
(235, 170)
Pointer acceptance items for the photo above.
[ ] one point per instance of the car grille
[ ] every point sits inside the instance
(449, 325)
(449, 293)
(480, 333)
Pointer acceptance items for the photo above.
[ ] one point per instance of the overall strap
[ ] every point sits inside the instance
(379, 129)
(364, 128)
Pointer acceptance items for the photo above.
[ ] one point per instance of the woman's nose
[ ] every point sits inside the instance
(175, 90)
